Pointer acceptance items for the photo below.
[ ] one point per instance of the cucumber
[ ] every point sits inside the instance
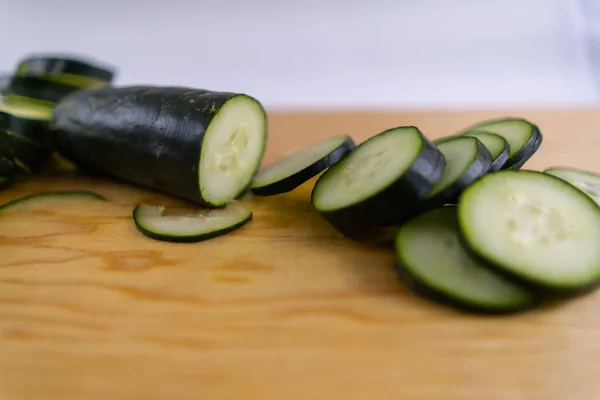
(197, 145)
(17, 121)
(190, 226)
(524, 138)
(467, 159)
(380, 183)
(25, 154)
(293, 170)
(6, 181)
(497, 146)
(587, 181)
(44, 200)
(32, 91)
(66, 70)
(534, 227)
(432, 262)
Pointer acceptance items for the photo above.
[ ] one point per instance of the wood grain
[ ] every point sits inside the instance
(284, 308)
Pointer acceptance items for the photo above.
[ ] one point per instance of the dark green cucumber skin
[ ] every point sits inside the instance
(34, 129)
(539, 288)
(415, 286)
(7, 168)
(40, 65)
(58, 193)
(480, 166)
(188, 238)
(146, 135)
(502, 158)
(293, 181)
(22, 150)
(396, 204)
(39, 89)
(520, 159)
(6, 181)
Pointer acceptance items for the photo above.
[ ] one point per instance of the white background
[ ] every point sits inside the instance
(329, 53)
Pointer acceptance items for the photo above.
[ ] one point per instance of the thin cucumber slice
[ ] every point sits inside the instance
(587, 181)
(497, 146)
(467, 159)
(380, 183)
(6, 182)
(432, 262)
(36, 91)
(49, 199)
(75, 71)
(35, 129)
(534, 227)
(188, 226)
(293, 170)
(7, 168)
(524, 138)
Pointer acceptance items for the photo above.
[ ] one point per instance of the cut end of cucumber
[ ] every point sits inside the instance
(376, 163)
(297, 161)
(534, 226)
(190, 225)
(232, 150)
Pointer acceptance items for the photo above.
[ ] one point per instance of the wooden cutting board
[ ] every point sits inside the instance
(284, 308)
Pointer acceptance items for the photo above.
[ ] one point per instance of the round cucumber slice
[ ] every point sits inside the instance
(380, 183)
(524, 138)
(158, 223)
(293, 170)
(535, 227)
(496, 145)
(467, 159)
(45, 200)
(587, 181)
(66, 70)
(432, 262)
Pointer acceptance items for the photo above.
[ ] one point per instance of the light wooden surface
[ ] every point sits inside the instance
(282, 309)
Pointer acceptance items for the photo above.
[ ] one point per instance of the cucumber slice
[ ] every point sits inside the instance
(35, 129)
(5, 182)
(293, 170)
(380, 183)
(524, 138)
(190, 226)
(198, 145)
(26, 155)
(43, 200)
(496, 145)
(7, 168)
(534, 227)
(587, 181)
(34, 91)
(66, 70)
(467, 160)
(432, 262)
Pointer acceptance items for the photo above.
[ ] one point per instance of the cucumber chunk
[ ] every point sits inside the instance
(587, 181)
(497, 146)
(432, 262)
(534, 227)
(524, 138)
(467, 159)
(380, 183)
(194, 144)
(158, 223)
(293, 170)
